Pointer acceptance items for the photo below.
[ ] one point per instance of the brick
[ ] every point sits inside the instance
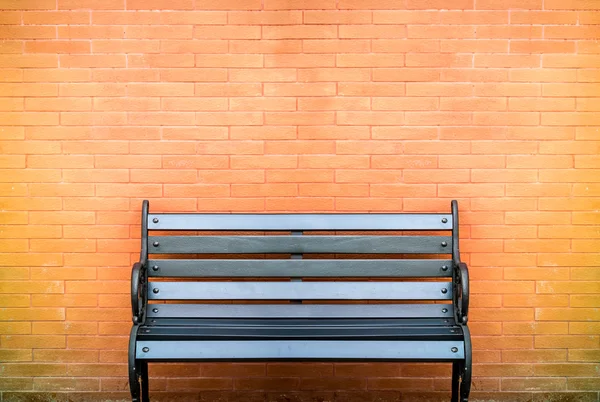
(299, 204)
(367, 176)
(333, 74)
(229, 5)
(299, 118)
(230, 176)
(369, 118)
(228, 89)
(229, 60)
(335, 46)
(374, 147)
(284, 16)
(265, 190)
(263, 161)
(194, 133)
(158, 32)
(440, 32)
(229, 32)
(263, 46)
(369, 60)
(299, 176)
(337, 17)
(299, 31)
(475, 45)
(188, 46)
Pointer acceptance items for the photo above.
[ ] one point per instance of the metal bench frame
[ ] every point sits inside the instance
(303, 337)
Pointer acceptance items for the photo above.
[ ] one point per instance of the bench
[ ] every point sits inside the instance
(300, 287)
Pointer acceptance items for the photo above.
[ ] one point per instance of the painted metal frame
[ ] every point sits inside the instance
(144, 315)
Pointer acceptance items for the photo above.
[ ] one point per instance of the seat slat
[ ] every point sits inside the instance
(300, 268)
(299, 311)
(299, 350)
(297, 332)
(299, 221)
(299, 290)
(300, 244)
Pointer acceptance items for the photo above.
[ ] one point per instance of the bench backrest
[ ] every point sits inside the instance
(285, 258)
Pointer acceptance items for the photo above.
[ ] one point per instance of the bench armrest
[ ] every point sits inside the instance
(138, 292)
(461, 293)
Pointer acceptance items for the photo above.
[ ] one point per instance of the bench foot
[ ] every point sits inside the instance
(135, 369)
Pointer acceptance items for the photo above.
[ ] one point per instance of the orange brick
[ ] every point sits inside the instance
(265, 190)
(369, 118)
(299, 118)
(367, 176)
(259, 104)
(333, 74)
(288, 16)
(229, 5)
(230, 176)
(299, 32)
(337, 17)
(335, 46)
(228, 32)
(299, 176)
(263, 161)
(299, 204)
(438, 60)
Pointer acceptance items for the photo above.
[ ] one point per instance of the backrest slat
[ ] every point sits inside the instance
(299, 222)
(300, 268)
(300, 310)
(300, 244)
(300, 290)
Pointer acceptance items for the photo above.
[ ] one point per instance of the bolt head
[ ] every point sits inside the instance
(155, 290)
(155, 268)
(444, 310)
(444, 291)
(454, 349)
(145, 350)
(155, 244)
(444, 244)
(444, 267)
(155, 220)
(155, 310)
(444, 220)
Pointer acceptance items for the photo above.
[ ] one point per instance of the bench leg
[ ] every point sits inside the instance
(134, 367)
(467, 367)
(144, 378)
(456, 371)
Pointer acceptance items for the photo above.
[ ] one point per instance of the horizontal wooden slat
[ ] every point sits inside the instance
(313, 332)
(299, 244)
(300, 268)
(300, 290)
(299, 221)
(300, 311)
(301, 350)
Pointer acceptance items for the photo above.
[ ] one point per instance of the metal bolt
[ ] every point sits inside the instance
(154, 321)
(155, 220)
(444, 310)
(156, 244)
(155, 268)
(454, 349)
(444, 267)
(444, 244)
(444, 220)
(444, 290)
(155, 310)
(155, 290)
(146, 350)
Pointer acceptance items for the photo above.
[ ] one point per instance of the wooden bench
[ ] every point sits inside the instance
(300, 287)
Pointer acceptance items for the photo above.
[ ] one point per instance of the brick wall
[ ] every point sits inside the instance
(290, 105)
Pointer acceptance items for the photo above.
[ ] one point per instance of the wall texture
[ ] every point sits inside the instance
(299, 105)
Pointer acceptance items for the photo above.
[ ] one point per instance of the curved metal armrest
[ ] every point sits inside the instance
(138, 283)
(462, 293)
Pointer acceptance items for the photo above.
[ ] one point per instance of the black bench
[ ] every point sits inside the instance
(404, 295)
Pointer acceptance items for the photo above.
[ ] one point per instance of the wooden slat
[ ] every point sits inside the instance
(277, 311)
(299, 221)
(300, 268)
(300, 244)
(302, 350)
(299, 290)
